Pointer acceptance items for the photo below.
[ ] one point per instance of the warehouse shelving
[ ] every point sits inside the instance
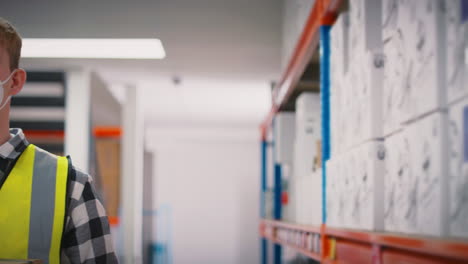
(353, 246)
(393, 248)
(336, 245)
(302, 238)
(324, 12)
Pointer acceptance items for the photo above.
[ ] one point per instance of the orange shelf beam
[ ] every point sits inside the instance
(45, 134)
(434, 247)
(351, 246)
(107, 132)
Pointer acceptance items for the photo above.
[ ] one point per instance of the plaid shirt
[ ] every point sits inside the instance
(86, 237)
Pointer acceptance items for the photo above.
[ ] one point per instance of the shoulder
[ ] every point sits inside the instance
(79, 176)
(83, 201)
(80, 183)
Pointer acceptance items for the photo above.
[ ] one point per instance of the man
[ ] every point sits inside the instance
(48, 208)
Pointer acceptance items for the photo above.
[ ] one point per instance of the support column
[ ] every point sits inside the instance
(132, 177)
(263, 189)
(325, 101)
(78, 117)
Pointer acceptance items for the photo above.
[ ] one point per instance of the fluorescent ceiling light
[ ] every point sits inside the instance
(93, 48)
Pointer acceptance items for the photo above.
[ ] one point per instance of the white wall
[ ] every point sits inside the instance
(210, 177)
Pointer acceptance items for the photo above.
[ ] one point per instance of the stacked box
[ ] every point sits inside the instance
(336, 198)
(339, 36)
(348, 170)
(356, 76)
(365, 28)
(430, 161)
(368, 195)
(356, 113)
(355, 173)
(457, 93)
(414, 48)
(314, 210)
(355, 188)
(332, 193)
(284, 126)
(457, 44)
(400, 185)
(458, 169)
(306, 151)
(283, 134)
(366, 95)
(310, 205)
(416, 184)
(338, 67)
(308, 132)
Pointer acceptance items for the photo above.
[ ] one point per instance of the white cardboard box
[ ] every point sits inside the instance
(307, 104)
(308, 132)
(400, 185)
(458, 169)
(350, 188)
(309, 195)
(284, 132)
(430, 166)
(356, 93)
(368, 194)
(416, 184)
(339, 41)
(356, 110)
(338, 67)
(308, 115)
(457, 42)
(365, 27)
(367, 91)
(333, 193)
(414, 46)
(355, 188)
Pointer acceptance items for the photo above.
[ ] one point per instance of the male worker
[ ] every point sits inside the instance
(48, 208)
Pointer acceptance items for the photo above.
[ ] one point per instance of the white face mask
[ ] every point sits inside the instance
(2, 90)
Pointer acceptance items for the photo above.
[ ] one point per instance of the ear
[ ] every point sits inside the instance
(17, 81)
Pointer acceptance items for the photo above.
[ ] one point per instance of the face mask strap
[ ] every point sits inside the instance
(8, 78)
(1, 85)
(6, 101)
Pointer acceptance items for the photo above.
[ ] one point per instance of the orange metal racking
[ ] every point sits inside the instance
(354, 246)
(324, 12)
(342, 245)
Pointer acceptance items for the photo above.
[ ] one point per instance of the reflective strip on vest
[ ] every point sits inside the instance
(32, 207)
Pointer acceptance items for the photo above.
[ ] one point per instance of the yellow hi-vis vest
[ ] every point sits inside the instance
(32, 207)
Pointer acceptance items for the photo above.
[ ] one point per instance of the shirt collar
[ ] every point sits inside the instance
(15, 146)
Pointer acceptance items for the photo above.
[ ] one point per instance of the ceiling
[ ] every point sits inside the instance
(220, 49)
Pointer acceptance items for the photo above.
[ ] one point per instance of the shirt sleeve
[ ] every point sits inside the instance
(87, 237)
